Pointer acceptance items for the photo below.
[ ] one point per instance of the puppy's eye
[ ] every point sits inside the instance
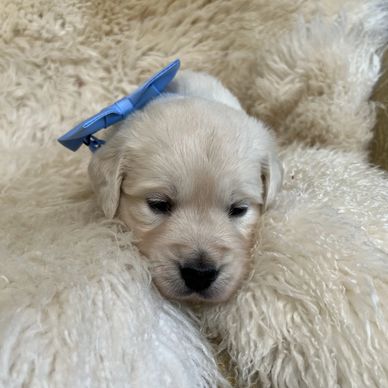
(238, 210)
(160, 206)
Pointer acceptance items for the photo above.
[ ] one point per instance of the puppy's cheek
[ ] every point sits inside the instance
(231, 278)
(238, 265)
(247, 225)
(165, 274)
(165, 283)
(136, 215)
(151, 241)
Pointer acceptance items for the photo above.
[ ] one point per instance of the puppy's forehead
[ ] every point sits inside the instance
(191, 144)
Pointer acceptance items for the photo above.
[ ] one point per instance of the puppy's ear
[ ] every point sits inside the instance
(106, 177)
(272, 171)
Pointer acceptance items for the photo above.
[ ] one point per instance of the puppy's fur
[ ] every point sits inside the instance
(198, 150)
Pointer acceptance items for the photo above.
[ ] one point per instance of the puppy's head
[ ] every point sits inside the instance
(189, 177)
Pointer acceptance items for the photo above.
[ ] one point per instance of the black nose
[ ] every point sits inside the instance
(198, 277)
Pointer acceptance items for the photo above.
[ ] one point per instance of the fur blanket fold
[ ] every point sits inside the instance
(77, 306)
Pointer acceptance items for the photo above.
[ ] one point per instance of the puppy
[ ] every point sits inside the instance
(189, 175)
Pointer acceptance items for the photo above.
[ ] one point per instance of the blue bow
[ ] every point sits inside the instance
(83, 132)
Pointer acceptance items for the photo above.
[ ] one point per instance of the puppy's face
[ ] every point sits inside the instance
(185, 175)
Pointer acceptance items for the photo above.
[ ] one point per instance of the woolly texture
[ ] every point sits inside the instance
(312, 313)
(77, 308)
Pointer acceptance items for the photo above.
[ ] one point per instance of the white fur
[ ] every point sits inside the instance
(76, 305)
(81, 312)
(313, 313)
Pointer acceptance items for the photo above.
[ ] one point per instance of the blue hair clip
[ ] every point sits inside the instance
(83, 132)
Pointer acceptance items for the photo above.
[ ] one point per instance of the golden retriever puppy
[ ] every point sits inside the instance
(189, 175)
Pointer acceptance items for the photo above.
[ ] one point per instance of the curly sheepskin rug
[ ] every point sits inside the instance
(77, 305)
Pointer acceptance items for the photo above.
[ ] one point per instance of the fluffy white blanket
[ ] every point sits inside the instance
(77, 307)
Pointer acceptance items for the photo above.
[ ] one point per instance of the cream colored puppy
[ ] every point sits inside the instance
(189, 175)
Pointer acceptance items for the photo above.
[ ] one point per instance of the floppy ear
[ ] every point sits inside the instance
(272, 171)
(106, 177)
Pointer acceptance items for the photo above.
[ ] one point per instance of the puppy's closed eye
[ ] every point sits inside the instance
(238, 209)
(160, 205)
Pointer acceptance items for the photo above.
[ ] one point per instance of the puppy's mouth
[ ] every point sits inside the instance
(187, 295)
(186, 284)
(208, 296)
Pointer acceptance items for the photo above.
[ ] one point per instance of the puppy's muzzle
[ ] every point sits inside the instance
(198, 272)
(199, 276)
